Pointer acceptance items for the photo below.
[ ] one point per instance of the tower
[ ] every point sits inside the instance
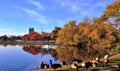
(31, 30)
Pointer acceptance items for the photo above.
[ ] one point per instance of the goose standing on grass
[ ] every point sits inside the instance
(94, 63)
(106, 57)
(97, 59)
(106, 61)
(55, 66)
(83, 64)
(88, 64)
(74, 66)
(63, 63)
(44, 66)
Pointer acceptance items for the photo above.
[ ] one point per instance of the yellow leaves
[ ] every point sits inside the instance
(76, 38)
(111, 10)
(66, 35)
(94, 34)
(88, 34)
(111, 38)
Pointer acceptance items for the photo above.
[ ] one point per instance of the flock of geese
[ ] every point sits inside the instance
(51, 65)
(74, 64)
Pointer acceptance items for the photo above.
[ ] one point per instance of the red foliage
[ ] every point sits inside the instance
(25, 37)
(44, 35)
(32, 50)
(35, 36)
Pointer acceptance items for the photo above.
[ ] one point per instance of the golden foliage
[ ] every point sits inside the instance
(112, 10)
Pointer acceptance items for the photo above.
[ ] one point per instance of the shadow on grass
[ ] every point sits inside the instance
(112, 68)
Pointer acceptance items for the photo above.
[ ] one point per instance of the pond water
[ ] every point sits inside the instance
(19, 58)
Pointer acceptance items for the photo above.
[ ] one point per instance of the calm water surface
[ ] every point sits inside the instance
(14, 58)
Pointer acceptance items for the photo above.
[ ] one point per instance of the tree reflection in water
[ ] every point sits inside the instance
(34, 50)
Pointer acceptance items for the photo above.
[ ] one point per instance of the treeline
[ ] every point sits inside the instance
(92, 37)
(33, 36)
(6, 38)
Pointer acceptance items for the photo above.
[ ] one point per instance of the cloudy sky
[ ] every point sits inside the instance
(16, 16)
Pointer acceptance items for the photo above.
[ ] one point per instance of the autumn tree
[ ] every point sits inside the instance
(54, 33)
(92, 38)
(95, 37)
(66, 35)
(112, 13)
(112, 10)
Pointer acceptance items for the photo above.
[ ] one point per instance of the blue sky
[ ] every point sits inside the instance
(16, 16)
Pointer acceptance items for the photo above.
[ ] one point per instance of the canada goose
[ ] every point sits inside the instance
(88, 64)
(44, 66)
(94, 63)
(83, 64)
(63, 63)
(74, 66)
(106, 57)
(55, 66)
(97, 59)
(106, 61)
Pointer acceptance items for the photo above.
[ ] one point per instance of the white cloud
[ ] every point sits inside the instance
(74, 6)
(37, 4)
(36, 16)
(84, 7)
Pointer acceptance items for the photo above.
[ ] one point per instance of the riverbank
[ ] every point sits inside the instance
(107, 68)
(27, 43)
(111, 66)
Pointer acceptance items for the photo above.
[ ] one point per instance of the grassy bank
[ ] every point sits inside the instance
(111, 66)
(27, 43)
(115, 57)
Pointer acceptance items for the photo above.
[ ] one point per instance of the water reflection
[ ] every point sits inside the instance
(32, 49)
(43, 49)
(24, 58)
